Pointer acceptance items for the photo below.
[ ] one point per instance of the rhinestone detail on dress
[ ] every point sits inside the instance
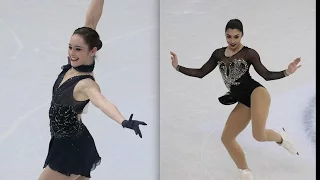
(230, 74)
(64, 122)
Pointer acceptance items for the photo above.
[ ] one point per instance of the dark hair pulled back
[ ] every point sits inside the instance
(234, 24)
(90, 36)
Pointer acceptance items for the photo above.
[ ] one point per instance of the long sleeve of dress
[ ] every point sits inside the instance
(254, 59)
(209, 66)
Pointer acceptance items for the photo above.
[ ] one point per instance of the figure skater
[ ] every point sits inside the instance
(72, 153)
(253, 99)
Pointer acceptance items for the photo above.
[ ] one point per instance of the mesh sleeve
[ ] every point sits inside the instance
(254, 59)
(209, 66)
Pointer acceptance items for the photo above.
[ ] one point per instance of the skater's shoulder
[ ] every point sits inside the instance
(88, 83)
(221, 48)
(218, 52)
(251, 51)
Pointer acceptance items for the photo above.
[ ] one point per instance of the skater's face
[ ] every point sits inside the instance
(79, 52)
(233, 37)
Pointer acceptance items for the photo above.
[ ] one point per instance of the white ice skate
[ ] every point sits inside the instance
(246, 174)
(287, 143)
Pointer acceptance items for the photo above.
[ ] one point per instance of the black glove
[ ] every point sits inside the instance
(133, 124)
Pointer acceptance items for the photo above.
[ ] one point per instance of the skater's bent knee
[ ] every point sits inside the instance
(259, 136)
(225, 139)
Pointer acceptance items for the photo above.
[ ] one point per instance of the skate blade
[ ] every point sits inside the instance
(285, 131)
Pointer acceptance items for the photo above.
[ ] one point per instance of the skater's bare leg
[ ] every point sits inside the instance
(260, 103)
(237, 121)
(49, 174)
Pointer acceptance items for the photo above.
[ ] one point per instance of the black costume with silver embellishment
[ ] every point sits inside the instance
(72, 149)
(235, 73)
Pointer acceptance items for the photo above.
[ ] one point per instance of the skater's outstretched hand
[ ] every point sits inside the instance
(174, 59)
(293, 66)
(134, 125)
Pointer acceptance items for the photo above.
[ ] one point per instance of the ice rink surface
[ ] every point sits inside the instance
(192, 119)
(34, 44)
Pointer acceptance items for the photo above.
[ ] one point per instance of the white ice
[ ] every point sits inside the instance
(192, 119)
(34, 42)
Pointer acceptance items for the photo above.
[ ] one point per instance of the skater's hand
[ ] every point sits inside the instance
(174, 59)
(134, 125)
(293, 66)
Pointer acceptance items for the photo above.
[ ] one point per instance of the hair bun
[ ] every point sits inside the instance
(99, 45)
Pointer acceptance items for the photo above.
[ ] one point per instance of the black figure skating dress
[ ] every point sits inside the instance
(72, 149)
(235, 73)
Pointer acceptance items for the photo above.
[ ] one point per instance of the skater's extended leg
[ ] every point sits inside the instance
(260, 103)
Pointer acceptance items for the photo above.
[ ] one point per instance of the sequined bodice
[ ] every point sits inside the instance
(233, 71)
(64, 109)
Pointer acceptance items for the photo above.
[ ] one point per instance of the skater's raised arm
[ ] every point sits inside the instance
(209, 66)
(94, 13)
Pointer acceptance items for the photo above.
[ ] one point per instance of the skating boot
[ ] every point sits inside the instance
(287, 143)
(246, 174)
